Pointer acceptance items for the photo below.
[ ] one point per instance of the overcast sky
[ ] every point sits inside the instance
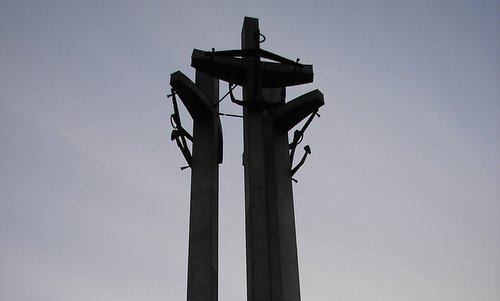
(400, 199)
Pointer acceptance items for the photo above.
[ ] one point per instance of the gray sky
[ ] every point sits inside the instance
(400, 199)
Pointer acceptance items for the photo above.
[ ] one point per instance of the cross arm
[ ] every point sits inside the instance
(290, 114)
(196, 102)
(232, 69)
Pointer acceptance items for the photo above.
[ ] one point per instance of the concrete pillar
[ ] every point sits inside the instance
(201, 102)
(272, 267)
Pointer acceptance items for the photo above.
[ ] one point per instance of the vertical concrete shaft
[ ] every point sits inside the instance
(272, 269)
(281, 218)
(203, 223)
(257, 242)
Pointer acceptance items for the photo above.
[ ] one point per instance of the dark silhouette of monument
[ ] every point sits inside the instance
(272, 266)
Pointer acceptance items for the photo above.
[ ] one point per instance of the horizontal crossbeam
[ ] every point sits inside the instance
(233, 70)
(261, 53)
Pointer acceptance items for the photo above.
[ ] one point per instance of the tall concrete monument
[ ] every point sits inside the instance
(272, 266)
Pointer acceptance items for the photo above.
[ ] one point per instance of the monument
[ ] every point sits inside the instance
(271, 247)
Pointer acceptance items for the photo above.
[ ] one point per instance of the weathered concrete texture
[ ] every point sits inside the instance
(207, 148)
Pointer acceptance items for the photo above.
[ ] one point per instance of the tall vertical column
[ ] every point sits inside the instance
(201, 101)
(272, 268)
(203, 225)
(257, 240)
(282, 236)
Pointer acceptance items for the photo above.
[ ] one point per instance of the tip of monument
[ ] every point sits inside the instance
(250, 20)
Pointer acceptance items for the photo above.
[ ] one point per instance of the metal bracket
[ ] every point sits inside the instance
(298, 135)
(259, 104)
(179, 134)
(307, 152)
